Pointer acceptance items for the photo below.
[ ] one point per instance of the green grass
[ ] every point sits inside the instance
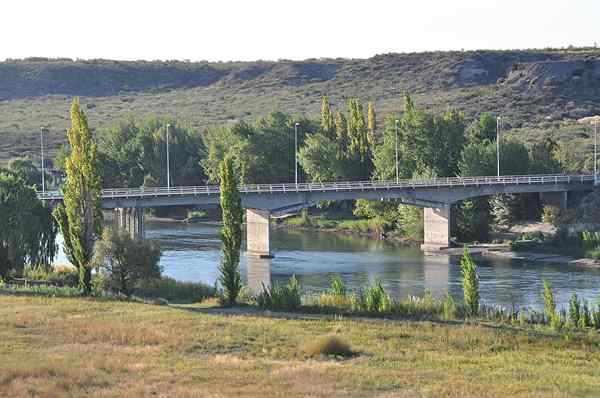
(85, 347)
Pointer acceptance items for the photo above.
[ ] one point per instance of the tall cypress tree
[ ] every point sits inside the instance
(231, 233)
(80, 218)
(327, 124)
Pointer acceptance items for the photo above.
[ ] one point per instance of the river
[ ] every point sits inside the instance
(192, 253)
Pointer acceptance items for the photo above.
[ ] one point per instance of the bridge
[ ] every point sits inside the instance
(263, 201)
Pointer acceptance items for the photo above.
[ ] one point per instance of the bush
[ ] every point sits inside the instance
(470, 283)
(126, 261)
(337, 287)
(174, 291)
(549, 303)
(277, 297)
(59, 276)
(328, 346)
(574, 310)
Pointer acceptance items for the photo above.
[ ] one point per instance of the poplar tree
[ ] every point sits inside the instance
(470, 283)
(80, 218)
(327, 124)
(341, 133)
(357, 131)
(231, 233)
(371, 124)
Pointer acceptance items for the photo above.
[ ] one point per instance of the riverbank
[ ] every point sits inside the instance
(57, 347)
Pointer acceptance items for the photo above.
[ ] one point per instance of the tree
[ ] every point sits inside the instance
(549, 303)
(470, 283)
(371, 124)
(28, 171)
(126, 261)
(319, 159)
(483, 129)
(263, 152)
(133, 152)
(327, 123)
(28, 232)
(80, 218)
(231, 233)
(357, 130)
(543, 157)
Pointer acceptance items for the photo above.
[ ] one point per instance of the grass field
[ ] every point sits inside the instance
(79, 347)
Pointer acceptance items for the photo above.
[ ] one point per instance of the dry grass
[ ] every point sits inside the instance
(78, 347)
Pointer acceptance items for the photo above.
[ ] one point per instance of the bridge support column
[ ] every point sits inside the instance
(436, 228)
(130, 220)
(556, 199)
(258, 233)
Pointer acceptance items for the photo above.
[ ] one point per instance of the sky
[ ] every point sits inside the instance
(245, 30)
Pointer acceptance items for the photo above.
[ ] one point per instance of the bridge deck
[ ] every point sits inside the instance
(449, 182)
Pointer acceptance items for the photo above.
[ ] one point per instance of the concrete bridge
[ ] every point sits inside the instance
(264, 201)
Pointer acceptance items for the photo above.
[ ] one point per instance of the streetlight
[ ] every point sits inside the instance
(397, 175)
(593, 120)
(498, 145)
(296, 151)
(42, 147)
(168, 165)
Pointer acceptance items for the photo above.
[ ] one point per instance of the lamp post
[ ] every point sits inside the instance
(498, 146)
(296, 125)
(43, 172)
(396, 143)
(168, 162)
(593, 120)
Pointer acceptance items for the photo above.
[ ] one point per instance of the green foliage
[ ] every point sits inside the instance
(231, 233)
(132, 153)
(126, 261)
(29, 172)
(449, 307)
(500, 208)
(585, 318)
(28, 232)
(410, 221)
(54, 276)
(327, 122)
(549, 303)
(574, 310)
(472, 220)
(320, 159)
(79, 219)
(328, 346)
(278, 297)
(173, 291)
(470, 283)
(543, 157)
(263, 152)
(483, 129)
(479, 158)
(337, 286)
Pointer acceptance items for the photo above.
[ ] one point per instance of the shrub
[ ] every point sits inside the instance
(574, 310)
(585, 319)
(277, 297)
(126, 261)
(470, 283)
(549, 303)
(337, 287)
(449, 309)
(375, 299)
(174, 291)
(328, 346)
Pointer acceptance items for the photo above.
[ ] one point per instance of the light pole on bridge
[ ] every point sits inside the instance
(168, 162)
(498, 121)
(43, 171)
(296, 125)
(593, 120)
(396, 142)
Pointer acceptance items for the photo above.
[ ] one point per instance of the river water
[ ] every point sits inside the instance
(192, 253)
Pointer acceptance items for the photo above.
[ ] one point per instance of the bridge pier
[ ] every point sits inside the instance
(436, 228)
(130, 220)
(258, 233)
(556, 199)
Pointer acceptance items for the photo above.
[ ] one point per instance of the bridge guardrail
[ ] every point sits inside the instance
(116, 193)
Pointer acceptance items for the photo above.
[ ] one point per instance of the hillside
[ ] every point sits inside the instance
(538, 90)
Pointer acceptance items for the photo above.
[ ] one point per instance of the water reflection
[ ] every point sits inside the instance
(193, 253)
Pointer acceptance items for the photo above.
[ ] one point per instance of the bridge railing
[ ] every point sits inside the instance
(338, 186)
